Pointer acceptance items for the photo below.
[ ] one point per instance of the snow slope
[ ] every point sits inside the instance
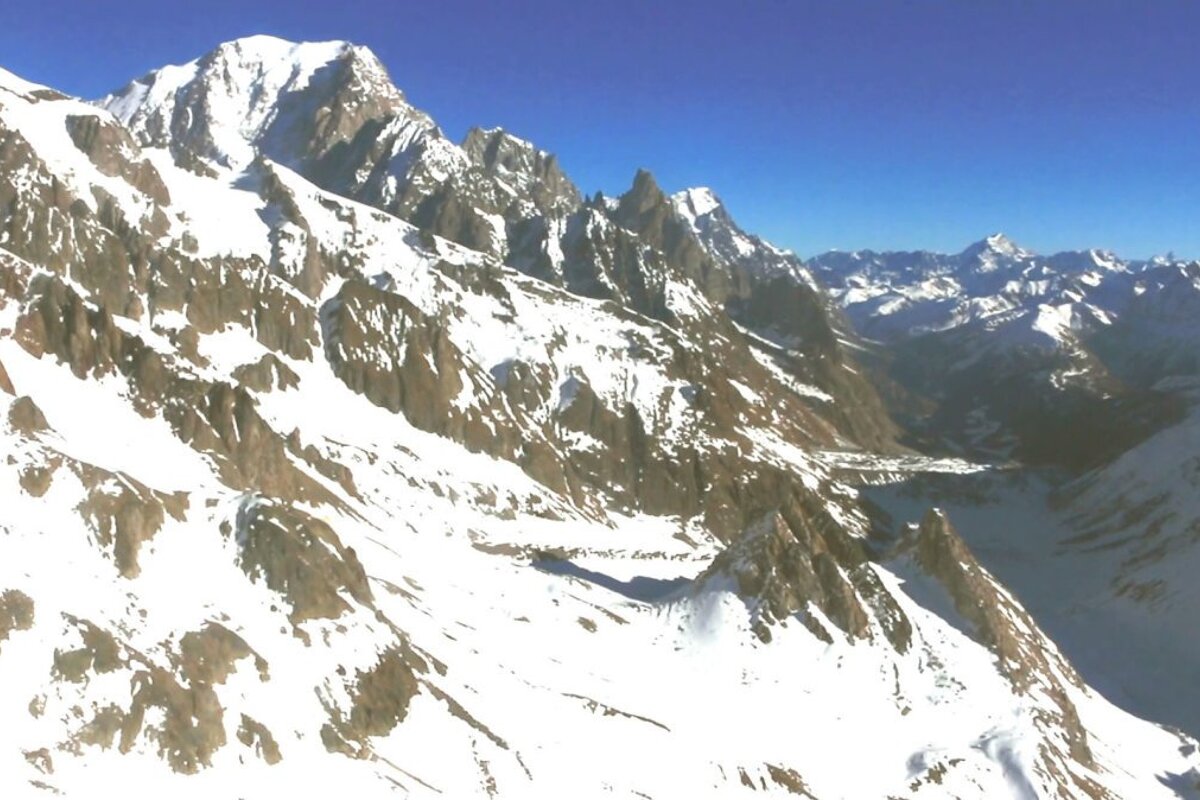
(300, 496)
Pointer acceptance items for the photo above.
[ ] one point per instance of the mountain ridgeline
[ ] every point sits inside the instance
(342, 458)
(999, 352)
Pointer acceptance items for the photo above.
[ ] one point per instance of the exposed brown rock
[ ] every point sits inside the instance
(211, 654)
(887, 613)
(381, 695)
(192, 729)
(36, 478)
(6, 385)
(379, 702)
(100, 653)
(111, 148)
(385, 348)
(25, 417)
(58, 321)
(45, 223)
(16, 613)
(333, 470)
(540, 175)
(300, 557)
(123, 513)
(255, 735)
(797, 555)
(996, 618)
(214, 417)
(40, 760)
(266, 374)
(789, 779)
(102, 731)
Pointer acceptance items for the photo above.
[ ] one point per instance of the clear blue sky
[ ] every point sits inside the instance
(886, 124)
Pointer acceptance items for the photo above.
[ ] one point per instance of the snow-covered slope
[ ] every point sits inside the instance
(1105, 562)
(301, 496)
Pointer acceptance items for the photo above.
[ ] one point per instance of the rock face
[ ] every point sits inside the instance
(123, 514)
(301, 558)
(111, 148)
(16, 613)
(496, 194)
(799, 558)
(380, 697)
(299, 398)
(1027, 657)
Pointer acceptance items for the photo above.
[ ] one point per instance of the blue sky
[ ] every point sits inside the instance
(886, 124)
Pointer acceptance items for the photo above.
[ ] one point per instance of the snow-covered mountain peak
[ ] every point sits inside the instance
(227, 104)
(696, 202)
(710, 221)
(995, 247)
(268, 52)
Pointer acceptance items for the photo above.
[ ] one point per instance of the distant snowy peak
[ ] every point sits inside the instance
(994, 282)
(999, 245)
(996, 252)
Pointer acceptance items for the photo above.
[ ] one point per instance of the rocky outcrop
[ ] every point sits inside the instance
(608, 262)
(379, 698)
(111, 148)
(25, 417)
(218, 292)
(175, 709)
(647, 211)
(994, 615)
(122, 514)
(1026, 655)
(210, 654)
(385, 348)
(797, 558)
(300, 557)
(216, 418)
(6, 385)
(534, 174)
(256, 736)
(267, 374)
(16, 613)
(80, 232)
(99, 653)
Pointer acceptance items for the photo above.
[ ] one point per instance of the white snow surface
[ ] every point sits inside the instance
(607, 674)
